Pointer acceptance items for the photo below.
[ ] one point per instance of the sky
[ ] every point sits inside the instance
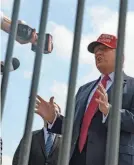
(99, 17)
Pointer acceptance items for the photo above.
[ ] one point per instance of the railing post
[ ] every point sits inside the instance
(68, 123)
(114, 125)
(9, 52)
(26, 145)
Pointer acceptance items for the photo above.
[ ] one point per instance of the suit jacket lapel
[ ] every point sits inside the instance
(55, 143)
(125, 77)
(109, 92)
(41, 140)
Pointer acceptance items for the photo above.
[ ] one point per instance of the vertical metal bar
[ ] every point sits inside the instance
(9, 52)
(25, 147)
(68, 123)
(114, 129)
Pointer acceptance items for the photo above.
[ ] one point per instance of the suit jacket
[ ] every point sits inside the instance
(37, 153)
(97, 132)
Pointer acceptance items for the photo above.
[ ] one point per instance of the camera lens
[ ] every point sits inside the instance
(24, 32)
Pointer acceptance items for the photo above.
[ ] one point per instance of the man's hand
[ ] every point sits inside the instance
(103, 100)
(47, 110)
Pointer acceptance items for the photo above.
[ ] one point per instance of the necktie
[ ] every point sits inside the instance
(49, 143)
(90, 112)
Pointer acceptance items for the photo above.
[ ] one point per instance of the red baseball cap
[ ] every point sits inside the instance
(105, 39)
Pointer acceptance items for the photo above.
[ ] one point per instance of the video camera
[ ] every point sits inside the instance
(24, 32)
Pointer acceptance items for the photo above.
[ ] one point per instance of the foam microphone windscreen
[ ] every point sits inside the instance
(13, 66)
(15, 63)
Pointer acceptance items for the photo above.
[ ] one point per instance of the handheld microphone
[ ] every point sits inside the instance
(13, 66)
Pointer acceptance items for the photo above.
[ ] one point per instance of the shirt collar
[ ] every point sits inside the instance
(111, 76)
(46, 131)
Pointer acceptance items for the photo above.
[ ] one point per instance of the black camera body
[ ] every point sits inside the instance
(24, 32)
(48, 45)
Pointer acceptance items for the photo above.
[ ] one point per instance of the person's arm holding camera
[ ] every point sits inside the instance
(6, 25)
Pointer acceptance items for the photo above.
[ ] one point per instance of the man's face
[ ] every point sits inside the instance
(105, 58)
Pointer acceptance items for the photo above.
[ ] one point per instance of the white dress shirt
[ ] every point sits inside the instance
(46, 134)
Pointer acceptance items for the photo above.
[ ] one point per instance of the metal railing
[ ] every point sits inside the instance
(9, 53)
(113, 137)
(68, 123)
(114, 127)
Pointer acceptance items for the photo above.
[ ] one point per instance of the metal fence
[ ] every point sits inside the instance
(114, 127)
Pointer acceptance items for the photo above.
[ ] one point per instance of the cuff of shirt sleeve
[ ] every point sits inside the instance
(51, 125)
(104, 117)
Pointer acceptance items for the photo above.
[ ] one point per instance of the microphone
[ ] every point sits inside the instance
(13, 66)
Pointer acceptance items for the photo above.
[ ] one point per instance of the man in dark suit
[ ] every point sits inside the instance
(44, 146)
(92, 108)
